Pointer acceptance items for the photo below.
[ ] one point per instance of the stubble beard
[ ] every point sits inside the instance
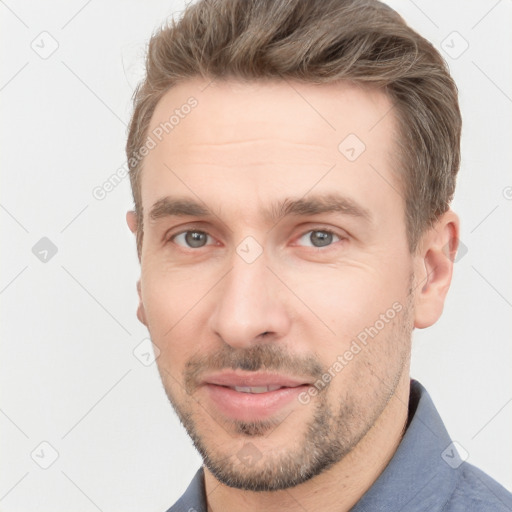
(323, 442)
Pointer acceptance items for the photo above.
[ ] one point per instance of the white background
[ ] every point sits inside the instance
(67, 369)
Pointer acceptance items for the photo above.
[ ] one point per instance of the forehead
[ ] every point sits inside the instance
(270, 138)
(229, 111)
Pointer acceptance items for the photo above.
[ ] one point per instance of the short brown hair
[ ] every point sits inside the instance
(317, 41)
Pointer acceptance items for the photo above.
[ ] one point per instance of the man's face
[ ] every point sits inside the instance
(275, 257)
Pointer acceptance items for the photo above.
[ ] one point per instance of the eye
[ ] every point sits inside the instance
(192, 239)
(318, 238)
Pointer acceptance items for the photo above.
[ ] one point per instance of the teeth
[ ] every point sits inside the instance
(255, 389)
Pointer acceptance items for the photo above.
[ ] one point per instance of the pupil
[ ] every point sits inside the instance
(195, 238)
(320, 238)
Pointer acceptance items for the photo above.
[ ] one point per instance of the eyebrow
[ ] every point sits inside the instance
(179, 207)
(313, 205)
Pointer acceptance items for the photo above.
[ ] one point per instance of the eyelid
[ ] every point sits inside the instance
(183, 228)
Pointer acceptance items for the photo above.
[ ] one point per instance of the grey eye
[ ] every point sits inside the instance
(192, 239)
(318, 238)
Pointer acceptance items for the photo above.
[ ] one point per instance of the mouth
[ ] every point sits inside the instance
(255, 389)
(250, 396)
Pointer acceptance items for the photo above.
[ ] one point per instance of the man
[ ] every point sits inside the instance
(292, 165)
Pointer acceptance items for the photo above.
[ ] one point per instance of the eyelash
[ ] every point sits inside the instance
(171, 238)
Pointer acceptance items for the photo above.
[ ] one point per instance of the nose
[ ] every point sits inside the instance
(249, 304)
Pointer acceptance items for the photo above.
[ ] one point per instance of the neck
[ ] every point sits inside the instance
(338, 488)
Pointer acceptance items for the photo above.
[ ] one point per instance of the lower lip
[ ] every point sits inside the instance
(251, 406)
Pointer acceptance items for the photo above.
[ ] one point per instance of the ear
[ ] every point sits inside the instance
(141, 312)
(131, 220)
(433, 269)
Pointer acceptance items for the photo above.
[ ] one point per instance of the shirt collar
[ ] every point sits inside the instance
(421, 475)
(424, 470)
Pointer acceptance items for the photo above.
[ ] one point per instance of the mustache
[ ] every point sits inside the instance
(258, 357)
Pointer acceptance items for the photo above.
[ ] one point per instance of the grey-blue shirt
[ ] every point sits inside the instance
(426, 473)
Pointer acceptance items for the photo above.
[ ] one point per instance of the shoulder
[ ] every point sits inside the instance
(476, 491)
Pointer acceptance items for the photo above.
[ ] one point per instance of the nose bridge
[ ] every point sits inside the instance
(248, 304)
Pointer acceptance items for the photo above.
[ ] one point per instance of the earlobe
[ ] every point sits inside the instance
(131, 220)
(434, 268)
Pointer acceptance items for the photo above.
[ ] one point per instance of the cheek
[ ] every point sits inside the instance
(168, 292)
(351, 297)
(176, 304)
(165, 302)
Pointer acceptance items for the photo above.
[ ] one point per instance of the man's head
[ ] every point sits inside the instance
(292, 224)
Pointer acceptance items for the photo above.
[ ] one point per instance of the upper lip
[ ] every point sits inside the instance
(252, 379)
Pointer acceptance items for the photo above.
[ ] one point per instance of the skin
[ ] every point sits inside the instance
(244, 148)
